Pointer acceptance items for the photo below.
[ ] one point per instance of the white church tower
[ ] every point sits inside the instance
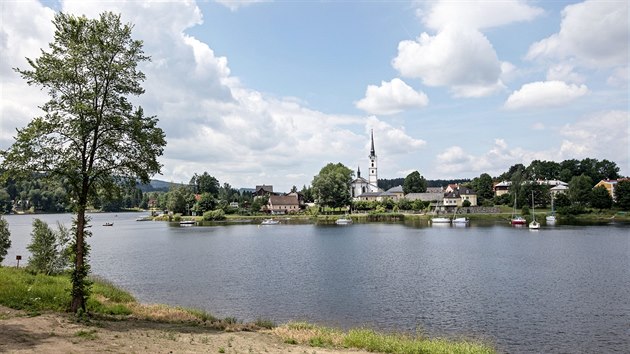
(373, 177)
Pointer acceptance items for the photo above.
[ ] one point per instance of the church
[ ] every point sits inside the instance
(361, 185)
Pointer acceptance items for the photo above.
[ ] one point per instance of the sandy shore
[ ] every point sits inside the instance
(60, 333)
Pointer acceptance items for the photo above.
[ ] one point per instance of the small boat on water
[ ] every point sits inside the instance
(461, 221)
(517, 220)
(108, 224)
(551, 219)
(187, 222)
(144, 218)
(440, 220)
(343, 221)
(270, 222)
(534, 225)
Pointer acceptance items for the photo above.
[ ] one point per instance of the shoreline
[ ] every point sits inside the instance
(33, 319)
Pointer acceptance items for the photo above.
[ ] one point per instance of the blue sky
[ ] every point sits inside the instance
(271, 91)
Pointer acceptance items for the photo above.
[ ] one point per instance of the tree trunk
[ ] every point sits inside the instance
(78, 285)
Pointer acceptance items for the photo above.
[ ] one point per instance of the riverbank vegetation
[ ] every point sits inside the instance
(38, 293)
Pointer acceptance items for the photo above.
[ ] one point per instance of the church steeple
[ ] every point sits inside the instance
(373, 177)
(372, 153)
(358, 172)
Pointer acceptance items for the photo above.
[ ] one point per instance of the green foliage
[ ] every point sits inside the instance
(90, 134)
(580, 190)
(466, 203)
(214, 215)
(50, 252)
(205, 183)
(405, 204)
(331, 187)
(504, 199)
(414, 183)
(5, 238)
(600, 198)
(622, 194)
(483, 186)
(525, 210)
(35, 293)
(561, 200)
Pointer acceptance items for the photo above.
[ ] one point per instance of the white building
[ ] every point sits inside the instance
(360, 185)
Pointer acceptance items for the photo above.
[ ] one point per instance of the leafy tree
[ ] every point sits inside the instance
(331, 187)
(307, 194)
(404, 204)
(205, 203)
(466, 203)
(6, 204)
(414, 183)
(177, 201)
(5, 240)
(483, 186)
(600, 198)
(561, 200)
(49, 249)
(90, 133)
(205, 183)
(622, 194)
(580, 189)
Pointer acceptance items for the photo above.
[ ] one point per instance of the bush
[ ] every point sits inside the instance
(466, 203)
(50, 250)
(214, 215)
(525, 210)
(5, 241)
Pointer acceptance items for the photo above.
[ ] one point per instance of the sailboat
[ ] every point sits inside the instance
(437, 219)
(551, 219)
(534, 225)
(516, 219)
(461, 220)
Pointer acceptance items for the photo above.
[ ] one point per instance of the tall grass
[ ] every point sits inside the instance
(370, 340)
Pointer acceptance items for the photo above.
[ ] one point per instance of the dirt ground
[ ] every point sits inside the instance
(60, 333)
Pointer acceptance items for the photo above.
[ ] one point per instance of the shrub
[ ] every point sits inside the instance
(217, 214)
(466, 203)
(5, 241)
(50, 252)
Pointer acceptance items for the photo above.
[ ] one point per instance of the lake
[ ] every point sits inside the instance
(559, 289)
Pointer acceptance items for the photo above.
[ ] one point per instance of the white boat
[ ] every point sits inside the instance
(187, 222)
(343, 221)
(534, 225)
(461, 221)
(516, 220)
(440, 220)
(270, 222)
(551, 219)
(437, 219)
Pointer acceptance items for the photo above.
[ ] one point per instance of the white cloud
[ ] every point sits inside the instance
(234, 5)
(391, 98)
(603, 135)
(462, 59)
(594, 33)
(478, 14)
(392, 141)
(544, 94)
(564, 72)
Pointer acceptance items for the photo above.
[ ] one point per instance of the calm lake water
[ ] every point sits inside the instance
(560, 289)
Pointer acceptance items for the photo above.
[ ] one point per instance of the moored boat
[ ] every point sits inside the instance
(270, 222)
(343, 221)
(187, 222)
(440, 220)
(534, 225)
(461, 221)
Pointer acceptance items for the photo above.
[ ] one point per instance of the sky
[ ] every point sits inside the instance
(269, 92)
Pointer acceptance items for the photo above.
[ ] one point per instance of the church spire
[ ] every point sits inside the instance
(358, 172)
(372, 153)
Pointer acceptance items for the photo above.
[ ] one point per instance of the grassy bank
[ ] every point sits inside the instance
(36, 294)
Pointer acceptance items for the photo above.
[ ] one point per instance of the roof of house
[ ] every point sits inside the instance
(265, 188)
(559, 187)
(425, 197)
(397, 189)
(435, 190)
(283, 200)
(370, 194)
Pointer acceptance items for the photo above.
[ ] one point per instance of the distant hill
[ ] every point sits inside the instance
(155, 185)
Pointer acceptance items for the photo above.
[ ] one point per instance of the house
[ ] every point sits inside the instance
(263, 190)
(457, 197)
(426, 197)
(610, 185)
(451, 188)
(559, 189)
(283, 204)
(368, 196)
(502, 188)
(396, 193)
